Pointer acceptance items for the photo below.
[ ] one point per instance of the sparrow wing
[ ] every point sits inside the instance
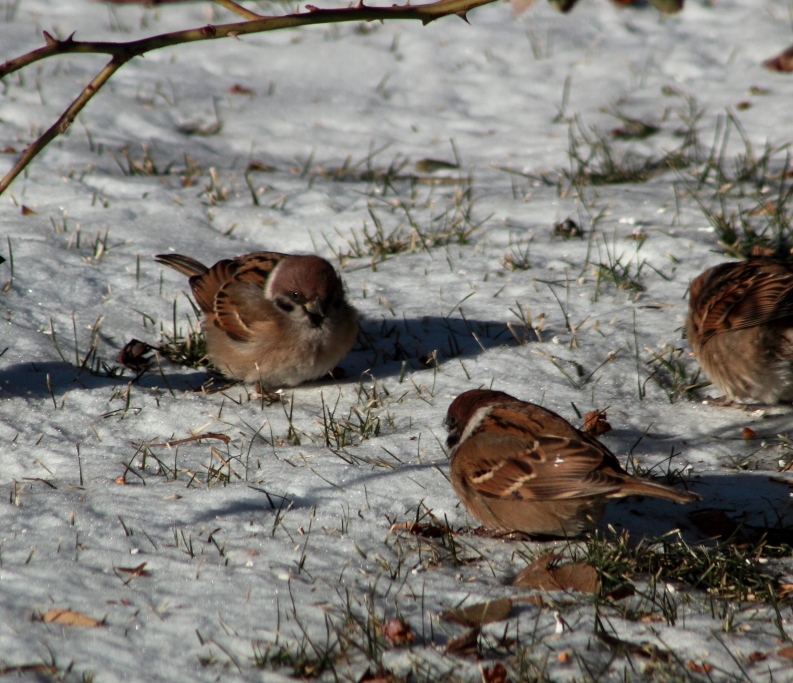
(232, 292)
(536, 455)
(741, 295)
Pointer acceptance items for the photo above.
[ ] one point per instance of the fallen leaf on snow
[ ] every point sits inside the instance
(67, 617)
(782, 62)
(481, 613)
(595, 423)
(495, 674)
(396, 632)
(463, 644)
(140, 570)
(539, 575)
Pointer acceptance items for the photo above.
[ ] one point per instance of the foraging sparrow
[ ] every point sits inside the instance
(740, 328)
(270, 318)
(519, 467)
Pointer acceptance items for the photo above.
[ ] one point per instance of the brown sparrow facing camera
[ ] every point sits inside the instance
(740, 328)
(519, 467)
(271, 318)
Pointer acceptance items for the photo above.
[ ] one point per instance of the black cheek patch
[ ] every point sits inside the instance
(315, 320)
(284, 305)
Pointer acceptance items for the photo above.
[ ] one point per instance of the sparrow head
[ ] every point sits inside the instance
(464, 407)
(306, 286)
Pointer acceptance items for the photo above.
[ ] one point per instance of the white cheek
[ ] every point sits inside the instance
(268, 285)
(473, 423)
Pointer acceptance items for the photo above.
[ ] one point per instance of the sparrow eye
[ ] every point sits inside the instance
(450, 423)
(295, 296)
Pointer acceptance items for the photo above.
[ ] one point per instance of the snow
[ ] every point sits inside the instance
(288, 538)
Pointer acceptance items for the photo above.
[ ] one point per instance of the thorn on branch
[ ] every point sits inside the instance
(312, 8)
(234, 34)
(53, 42)
(464, 17)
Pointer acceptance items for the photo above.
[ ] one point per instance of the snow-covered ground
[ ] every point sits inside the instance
(268, 553)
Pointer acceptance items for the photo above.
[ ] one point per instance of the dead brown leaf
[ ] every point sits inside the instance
(782, 62)
(595, 423)
(576, 576)
(397, 633)
(786, 652)
(260, 167)
(463, 644)
(135, 356)
(480, 613)
(495, 674)
(431, 530)
(140, 570)
(66, 617)
(238, 89)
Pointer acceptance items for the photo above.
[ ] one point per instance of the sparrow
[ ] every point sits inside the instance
(518, 467)
(272, 319)
(740, 328)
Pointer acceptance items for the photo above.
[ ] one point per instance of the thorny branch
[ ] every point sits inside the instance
(122, 52)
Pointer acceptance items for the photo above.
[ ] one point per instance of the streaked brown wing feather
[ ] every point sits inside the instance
(547, 467)
(258, 265)
(541, 422)
(206, 286)
(239, 306)
(744, 295)
(233, 292)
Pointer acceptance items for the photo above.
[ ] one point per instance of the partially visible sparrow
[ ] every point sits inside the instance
(519, 467)
(274, 319)
(740, 328)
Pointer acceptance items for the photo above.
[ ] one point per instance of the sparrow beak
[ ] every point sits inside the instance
(315, 309)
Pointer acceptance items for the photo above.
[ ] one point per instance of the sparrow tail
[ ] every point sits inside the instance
(184, 264)
(646, 487)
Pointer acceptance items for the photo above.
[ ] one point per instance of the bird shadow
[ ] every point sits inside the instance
(396, 345)
(36, 380)
(391, 346)
(755, 503)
